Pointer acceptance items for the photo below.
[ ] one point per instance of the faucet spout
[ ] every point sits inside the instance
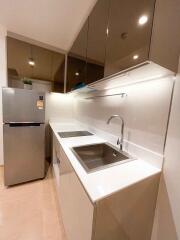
(113, 116)
(121, 140)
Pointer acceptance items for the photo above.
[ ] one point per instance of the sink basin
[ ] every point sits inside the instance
(99, 156)
(74, 134)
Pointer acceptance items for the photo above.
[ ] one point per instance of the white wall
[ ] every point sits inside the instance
(167, 220)
(3, 81)
(59, 107)
(145, 111)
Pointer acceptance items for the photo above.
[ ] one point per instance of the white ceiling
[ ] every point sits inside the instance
(52, 22)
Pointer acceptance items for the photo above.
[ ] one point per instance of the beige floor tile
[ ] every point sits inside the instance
(29, 211)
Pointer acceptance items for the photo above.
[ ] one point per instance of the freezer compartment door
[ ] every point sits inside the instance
(21, 105)
(24, 153)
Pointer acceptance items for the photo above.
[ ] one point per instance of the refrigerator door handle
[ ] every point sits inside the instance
(25, 124)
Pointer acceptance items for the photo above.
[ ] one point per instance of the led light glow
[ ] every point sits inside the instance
(77, 73)
(135, 57)
(31, 62)
(107, 31)
(143, 20)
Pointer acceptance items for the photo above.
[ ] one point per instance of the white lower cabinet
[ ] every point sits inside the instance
(77, 210)
(124, 215)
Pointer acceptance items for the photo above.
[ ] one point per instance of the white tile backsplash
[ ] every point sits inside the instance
(59, 107)
(145, 111)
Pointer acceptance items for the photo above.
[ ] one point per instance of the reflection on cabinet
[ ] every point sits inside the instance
(43, 67)
(18, 53)
(165, 42)
(76, 74)
(96, 44)
(94, 72)
(58, 72)
(122, 35)
(76, 61)
(126, 214)
(128, 40)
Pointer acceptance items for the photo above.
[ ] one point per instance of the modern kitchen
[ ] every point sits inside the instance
(89, 120)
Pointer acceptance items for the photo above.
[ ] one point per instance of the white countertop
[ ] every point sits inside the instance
(100, 184)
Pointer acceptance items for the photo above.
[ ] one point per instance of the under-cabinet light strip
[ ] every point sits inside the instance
(108, 95)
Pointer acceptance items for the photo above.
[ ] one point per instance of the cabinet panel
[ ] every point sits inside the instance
(76, 74)
(76, 62)
(165, 44)
(58, 72)
(97, 36)
(42, 69)
(18, 53)
(76, 208)
(129, 213)
(130, 26)
(47, 73)
(50, 66)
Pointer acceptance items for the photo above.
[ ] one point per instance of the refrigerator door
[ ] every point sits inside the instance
(21, 105)
(23, 152)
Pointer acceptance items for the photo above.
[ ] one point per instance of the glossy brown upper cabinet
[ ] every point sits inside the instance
(97, 38)
(129, 34)
(43, 68)
(76, 61)
(119, 36)
(142, 31)
(165, 39)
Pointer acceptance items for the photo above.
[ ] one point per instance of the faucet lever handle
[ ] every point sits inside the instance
(118, 142)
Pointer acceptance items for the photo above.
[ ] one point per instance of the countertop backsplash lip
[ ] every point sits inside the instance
(101, 184)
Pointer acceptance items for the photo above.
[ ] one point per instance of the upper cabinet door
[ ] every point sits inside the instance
(129, 34)
(58, 72)
(97, 37)
(18, 53)
(43, 58)
(76, 62)
(47, 73)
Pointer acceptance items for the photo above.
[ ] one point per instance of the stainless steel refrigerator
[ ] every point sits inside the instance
(23, 135)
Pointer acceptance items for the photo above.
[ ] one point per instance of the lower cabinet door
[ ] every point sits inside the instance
(76, 208)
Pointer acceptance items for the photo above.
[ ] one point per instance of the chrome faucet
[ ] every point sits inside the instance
(119, 141)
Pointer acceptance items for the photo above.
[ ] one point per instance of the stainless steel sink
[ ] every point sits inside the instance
(99, 156)
(74, 134)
